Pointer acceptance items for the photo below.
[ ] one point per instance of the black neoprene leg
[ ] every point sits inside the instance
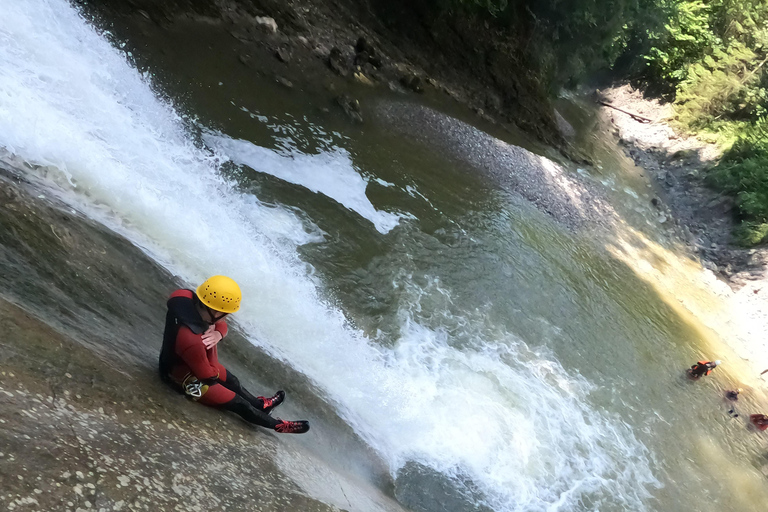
(233, 384)
(240, 406)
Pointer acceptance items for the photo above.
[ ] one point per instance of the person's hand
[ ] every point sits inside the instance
(211, 337)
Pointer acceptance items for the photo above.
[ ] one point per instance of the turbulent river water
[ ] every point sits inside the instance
(484, 355)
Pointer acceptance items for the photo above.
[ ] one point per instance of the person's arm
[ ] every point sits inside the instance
(222, 327)
(190, 348)
(215, 334)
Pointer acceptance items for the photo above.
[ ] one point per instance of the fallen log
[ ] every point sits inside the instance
(635, 116)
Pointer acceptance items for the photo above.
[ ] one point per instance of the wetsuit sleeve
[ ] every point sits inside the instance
(213, 353)
(222, 327)
(213, 356)
(190, 348)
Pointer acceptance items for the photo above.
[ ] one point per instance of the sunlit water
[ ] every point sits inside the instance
(448, 323)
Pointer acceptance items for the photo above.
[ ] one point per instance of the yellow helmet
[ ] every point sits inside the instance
(220, 293)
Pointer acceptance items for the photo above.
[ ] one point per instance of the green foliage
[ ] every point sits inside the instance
(712, 53)
(749, 233)
(715, 87)
(685, 39)
(743, 172)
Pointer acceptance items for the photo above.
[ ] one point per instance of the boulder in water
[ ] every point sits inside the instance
(423, 489)
(337, 62)
(365, 53)
(284, 54)
(412, 82)
(351, 107)
(267, 24)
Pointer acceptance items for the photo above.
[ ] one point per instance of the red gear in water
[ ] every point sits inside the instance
(759, 420)
(190, 367)
(702, 368)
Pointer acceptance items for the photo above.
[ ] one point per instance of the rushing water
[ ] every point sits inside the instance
(464, 336)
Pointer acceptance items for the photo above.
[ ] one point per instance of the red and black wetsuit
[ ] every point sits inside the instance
(184, 359)
(702, 368)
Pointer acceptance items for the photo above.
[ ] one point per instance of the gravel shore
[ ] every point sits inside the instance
(705, 219)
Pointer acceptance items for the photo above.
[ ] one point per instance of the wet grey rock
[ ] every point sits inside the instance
(284, 54)
(266, 24)
(365, 53)
(362, 45)
(351, 107)
(412, 82)
(363, 79)
(683, 155)
(284, 81)
(564, 126)
(722, 203)
(423, 489)
(244, 59)
(627, 141)
(494, 103)
(337, 62)
(240, 35)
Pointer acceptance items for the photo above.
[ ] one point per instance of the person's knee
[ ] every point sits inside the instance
(217, 395)
(233, 383)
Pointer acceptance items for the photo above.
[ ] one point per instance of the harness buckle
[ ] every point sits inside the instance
(194, 389)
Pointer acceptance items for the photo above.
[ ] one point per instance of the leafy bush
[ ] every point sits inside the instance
(713, 54)
(743, 172)
(750, 233)
(686, 38)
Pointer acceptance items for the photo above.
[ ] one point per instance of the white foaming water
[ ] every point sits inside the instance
(329, 173)
(476, 402)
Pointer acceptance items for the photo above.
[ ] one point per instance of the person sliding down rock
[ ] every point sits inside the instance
(702, 368)
(189, 360)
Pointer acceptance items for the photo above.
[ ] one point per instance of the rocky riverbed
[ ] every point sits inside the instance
(676, 163)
